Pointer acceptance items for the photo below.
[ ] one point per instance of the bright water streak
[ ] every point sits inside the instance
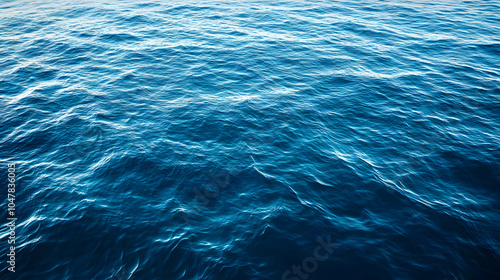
(220, 139)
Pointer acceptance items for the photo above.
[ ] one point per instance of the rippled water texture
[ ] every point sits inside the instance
(232, 139)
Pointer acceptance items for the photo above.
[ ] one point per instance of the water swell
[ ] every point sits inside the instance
(221, 140)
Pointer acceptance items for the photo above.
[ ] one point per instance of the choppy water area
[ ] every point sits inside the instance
(251, 140)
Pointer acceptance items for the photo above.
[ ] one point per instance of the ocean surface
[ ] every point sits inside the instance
(214, 140)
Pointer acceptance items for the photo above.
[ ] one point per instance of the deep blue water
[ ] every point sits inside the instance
(251, 140)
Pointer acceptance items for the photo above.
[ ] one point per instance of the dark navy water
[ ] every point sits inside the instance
(244, 140)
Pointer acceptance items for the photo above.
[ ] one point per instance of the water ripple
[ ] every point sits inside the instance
(230, 140)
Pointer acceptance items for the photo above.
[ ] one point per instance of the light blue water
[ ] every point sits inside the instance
(223, 139)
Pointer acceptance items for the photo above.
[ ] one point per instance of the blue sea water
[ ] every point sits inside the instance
(251, 139)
